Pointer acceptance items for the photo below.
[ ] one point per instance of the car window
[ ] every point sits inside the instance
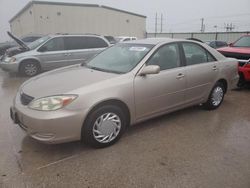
(221, 44)
(166, 57)
(75, 43)
(96, 42)
(242, 42)
(55, 44)
(195, 54)
(38, 42)
(126, 39)
(212, 44)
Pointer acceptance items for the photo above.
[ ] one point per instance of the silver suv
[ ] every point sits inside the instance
(52, 51)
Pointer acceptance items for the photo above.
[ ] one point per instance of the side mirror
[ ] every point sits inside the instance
(43, 49)
(150, 69)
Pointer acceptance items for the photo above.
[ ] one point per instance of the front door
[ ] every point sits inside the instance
(53, 54)
(158, 93)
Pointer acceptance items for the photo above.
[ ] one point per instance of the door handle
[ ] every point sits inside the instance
(215, 68)
(180, 76)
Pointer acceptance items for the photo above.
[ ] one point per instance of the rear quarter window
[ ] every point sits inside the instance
(95, 42)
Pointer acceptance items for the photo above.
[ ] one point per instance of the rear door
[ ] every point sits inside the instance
(53, 54)
(201, 71)
(82, 48)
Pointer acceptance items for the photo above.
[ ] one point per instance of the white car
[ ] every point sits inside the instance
(125, 38)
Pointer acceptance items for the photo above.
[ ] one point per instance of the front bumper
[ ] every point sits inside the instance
(9, 67)
(48, 127)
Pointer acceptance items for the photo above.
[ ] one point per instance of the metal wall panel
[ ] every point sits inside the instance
(50, 19)
(229, 37)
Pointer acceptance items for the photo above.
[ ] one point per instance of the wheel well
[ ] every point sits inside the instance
(114, 102)
(224, 82)
(29, 60)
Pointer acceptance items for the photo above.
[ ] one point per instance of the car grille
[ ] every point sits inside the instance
(25, 99)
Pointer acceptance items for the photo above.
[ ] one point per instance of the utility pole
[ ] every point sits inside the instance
(229, 27)
(161, 22)
(155, 24)
(202, 25)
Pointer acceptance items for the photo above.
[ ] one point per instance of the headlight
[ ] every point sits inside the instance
(52, 103)
(10, 59)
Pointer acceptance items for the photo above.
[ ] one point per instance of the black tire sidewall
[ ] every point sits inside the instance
(87, 130)
(24, 64)
(209, 104)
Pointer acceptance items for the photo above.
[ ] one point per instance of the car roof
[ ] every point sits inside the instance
(75, 35)
(155, 41)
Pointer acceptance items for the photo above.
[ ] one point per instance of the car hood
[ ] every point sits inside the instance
(19, 41)
(14, 51)
(240, 50)
(63, 81)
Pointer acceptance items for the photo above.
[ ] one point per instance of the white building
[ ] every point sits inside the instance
(40, 17)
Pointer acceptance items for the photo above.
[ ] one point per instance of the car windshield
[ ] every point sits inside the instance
(242, 42)
(38, 42)
(120, 58)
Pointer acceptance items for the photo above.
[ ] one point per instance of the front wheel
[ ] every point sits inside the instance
(29, 68)
(104, 126)
(216, 97)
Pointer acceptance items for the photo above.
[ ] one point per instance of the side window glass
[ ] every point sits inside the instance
(195, 54)
(167, 57)
(75, 43)
(55, 44)
(126, 39)
(95, 42)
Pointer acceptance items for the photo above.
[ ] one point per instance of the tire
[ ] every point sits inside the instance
(216, 97)
(242, 82)
(29, 68)
(100, 134)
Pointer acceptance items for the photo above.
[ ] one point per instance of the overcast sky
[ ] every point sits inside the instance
(178, 15)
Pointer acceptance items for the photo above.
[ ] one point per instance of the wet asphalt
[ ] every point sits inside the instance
(190, 148)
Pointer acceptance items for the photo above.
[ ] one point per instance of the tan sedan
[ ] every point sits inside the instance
(125, 84)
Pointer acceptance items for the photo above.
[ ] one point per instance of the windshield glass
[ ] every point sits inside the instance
(38, 42)
(243, 42)
(120, 58)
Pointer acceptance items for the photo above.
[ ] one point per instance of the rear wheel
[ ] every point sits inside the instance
(104, 126)
(216, 96)
(29, 68)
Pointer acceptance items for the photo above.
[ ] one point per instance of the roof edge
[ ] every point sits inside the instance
(29, 4)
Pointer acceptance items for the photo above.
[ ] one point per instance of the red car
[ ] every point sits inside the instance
(241, 51)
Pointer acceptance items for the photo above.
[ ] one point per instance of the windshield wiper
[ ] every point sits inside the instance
(102, 70)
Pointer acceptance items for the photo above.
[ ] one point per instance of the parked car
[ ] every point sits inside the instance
(124, 38)
(216, 44)
(125, 84)
(240, 50)
(52, 51)
(111, 39)
(26, 39)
